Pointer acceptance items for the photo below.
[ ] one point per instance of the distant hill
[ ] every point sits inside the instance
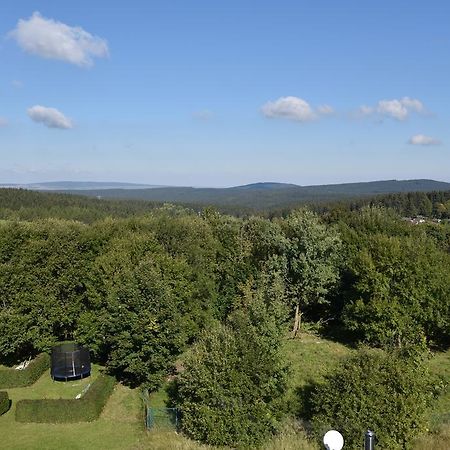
(263, 195)
(78, 185)
(266, 185)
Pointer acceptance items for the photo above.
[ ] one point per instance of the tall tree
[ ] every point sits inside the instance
(313, 256)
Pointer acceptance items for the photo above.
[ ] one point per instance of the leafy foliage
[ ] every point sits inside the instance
(313, 260)
(387, 393)
(234, 379)
(139, 285)
(398, 291)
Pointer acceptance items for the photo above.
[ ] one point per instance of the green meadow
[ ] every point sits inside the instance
(121, 424)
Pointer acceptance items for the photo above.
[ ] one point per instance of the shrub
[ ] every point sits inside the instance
(387, 393)
(85, 409)
(4, 402)
(11, 378)
(231, 391)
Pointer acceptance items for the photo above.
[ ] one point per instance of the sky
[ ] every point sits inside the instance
(223, 93)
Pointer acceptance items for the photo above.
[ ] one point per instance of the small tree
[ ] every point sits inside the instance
(387, 393)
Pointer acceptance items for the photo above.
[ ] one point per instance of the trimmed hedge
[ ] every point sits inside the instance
(11, 378)
(85, 409)
(4, 402)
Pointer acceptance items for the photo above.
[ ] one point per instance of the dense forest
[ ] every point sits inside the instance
(141, 284)
(28, 205)
(262, 196)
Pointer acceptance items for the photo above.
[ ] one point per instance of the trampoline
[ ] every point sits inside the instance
(70, 361)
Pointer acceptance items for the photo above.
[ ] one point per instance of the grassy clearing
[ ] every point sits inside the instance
(45, 387)
(159, 398)
(310, 358)
(439, 436)
(440, 365)
(120, 426)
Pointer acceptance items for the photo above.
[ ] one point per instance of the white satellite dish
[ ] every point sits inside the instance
(333, 440)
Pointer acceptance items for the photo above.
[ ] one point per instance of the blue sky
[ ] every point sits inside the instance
(209, 93)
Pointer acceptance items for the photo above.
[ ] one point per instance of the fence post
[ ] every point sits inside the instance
(369, 440)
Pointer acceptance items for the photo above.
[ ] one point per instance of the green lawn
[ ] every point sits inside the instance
(121, 424)
(310, 358)
(440, 365)
(439, 437)
(45, 387)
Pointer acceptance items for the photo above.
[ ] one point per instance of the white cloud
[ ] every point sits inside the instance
(325, 110)
(50, 117)
(3, 122)
(392, 108)
(412, 104)
(365, 110)
(55, 40)
(17, 84)
(293, 108)
(398, 109)
(421, 139)
(204, 115)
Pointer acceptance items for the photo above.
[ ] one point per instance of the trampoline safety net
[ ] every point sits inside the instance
(69, 361)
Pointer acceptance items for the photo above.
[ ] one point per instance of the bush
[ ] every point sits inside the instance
(85, 409)
(231, 390)
(4, 402)
(387, 393)
(11, 378)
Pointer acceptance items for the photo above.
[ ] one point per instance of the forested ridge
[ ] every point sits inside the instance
(262, 196)
(140, 284)
(28, 205)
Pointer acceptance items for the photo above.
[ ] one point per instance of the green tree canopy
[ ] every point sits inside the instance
(387, 393)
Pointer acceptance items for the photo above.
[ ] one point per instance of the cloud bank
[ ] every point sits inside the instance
(421, 139)
(294, 108)
(50, 117)
(398, 109)
(55, 40)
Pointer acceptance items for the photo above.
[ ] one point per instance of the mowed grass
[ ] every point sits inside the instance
(45, 387)
(121, 425)
(311, 358)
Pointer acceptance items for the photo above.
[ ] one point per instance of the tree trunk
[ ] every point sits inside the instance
(297, 321)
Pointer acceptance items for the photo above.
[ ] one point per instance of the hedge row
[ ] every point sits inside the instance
(85, 409)
(4, 402)
(11, 378)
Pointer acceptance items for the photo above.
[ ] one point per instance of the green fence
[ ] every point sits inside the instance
(160, 418)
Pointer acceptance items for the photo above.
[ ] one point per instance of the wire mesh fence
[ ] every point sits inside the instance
(160, 418)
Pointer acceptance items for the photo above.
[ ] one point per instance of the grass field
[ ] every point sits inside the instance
(439, 437)
(121, 423)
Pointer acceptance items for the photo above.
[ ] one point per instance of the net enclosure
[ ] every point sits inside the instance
(70, 361)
